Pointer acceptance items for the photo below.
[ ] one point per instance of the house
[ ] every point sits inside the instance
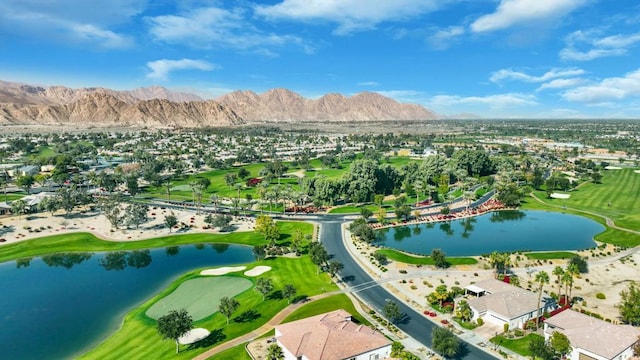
(331, 336)
(499, 303)
(592, 338)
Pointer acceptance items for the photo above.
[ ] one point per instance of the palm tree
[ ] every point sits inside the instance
(274, 352)
(541, 278)
(573, 271)
(418, 186)
(215, 200)
(468, 197)
(558, 271)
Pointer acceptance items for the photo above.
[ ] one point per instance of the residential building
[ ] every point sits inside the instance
(331, 336)
(499, 303)
(591, 338)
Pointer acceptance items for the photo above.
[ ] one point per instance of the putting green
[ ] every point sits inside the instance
(200, 296)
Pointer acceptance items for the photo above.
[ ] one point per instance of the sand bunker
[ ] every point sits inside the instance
(612, 168)
(222, 270)
(258, 270)
(637, 171)
(560, 196)
(193, 335)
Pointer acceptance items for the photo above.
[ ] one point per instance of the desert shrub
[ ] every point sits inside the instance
(601, 296)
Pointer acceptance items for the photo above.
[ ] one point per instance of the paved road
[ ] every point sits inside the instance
(414, 324)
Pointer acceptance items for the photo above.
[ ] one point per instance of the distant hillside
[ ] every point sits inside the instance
(284, 105)
(23, 104)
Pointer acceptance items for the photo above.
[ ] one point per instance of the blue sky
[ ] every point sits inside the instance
(494, 58)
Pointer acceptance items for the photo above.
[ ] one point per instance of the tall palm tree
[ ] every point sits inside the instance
(573, 271)
(558, 271)
(418, 186)
(541, 278)
(215, 200)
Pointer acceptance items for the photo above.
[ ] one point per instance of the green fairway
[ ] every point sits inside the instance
(352, 209)
(553, 255)
(87, 242)
(200, 296)
(325, 305)
(398, 256)
(616, 197)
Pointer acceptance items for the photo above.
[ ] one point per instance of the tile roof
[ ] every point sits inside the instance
(330, 336)
(504, 299)
(594, 335)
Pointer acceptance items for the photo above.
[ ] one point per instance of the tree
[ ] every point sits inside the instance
(403, 211)
(541, 278)
(228, 306)
(274, 352)
(264, 286)
(243, 173)
(136, 214)
(445, 342)
(365, 212)
(581, 264)
(267, 227)
(439, 259)
(289, 291)
(540, 350)
(18, 207)
(559, 343)
(381, 215)
(132, 185)
(463, 310)
(392, 311)
(441, 294)
(334, 267)
(629, 306)
(259, 251)
(318, 254)
(25, 182)
(573, 270)
(221, 221)
(380, 258)
(170, 220)
(230, 179)
(558, 271)
(175, 324)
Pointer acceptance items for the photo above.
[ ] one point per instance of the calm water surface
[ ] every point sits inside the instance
(59, 306)
(495, 231)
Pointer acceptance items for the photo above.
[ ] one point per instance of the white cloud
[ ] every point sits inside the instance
(610, 89)
(443, 38)
(561, 83)
(350, 15)
(518, 12)
(369, 83)
(217, 27)
(588, 45)
(499, 101)
(160, 69)
(71, 21)
(508, 74)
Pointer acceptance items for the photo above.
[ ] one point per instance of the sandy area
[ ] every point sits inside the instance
(18, 228)
(606, 275)
(257, 271)
(193, 335)
(222, 270)
(560, 196)
(612, 168)
(636, 171)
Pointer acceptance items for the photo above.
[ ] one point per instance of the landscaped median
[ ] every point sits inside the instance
(398, 256)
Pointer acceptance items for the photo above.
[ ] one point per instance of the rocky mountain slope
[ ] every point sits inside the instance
(156, 106)
(284, 105)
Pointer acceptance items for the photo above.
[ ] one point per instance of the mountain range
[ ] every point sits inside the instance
(23, 104)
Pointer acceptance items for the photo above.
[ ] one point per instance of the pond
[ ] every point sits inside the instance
(502, 231)
(59, 306)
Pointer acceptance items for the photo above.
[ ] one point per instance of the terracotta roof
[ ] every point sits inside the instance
(594, 335)
(504, 299)
(330, 336)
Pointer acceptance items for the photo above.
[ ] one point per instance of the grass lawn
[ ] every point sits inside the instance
(352, 209)
(398, 256)
(87, 242)
(552, 255)
(200, 296)
(12, 196)
(322, 306)
(139, 339)
(236, 353)
(616, 197)
(520, 346)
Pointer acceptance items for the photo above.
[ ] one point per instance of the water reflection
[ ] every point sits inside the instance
(511, 215)
(172, 250)
(66, 260)
(119, 260)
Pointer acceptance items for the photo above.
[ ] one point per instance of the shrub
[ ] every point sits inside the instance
(505, 327)
(600, 296)
(403, 271)
(480, 322)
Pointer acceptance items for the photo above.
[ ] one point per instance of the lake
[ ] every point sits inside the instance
(59, 306)
(502, 231)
